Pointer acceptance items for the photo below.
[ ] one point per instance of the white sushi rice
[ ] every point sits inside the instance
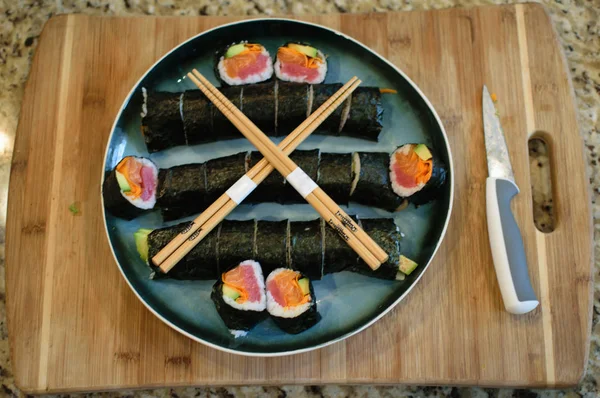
(139, 202)
(301, 79)
(254, 78)
(275, 309)
(251, 305)
(238, 333)
(355, 172)
(145, 103)
(398, 189)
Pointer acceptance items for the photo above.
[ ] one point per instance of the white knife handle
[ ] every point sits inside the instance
(507, 247)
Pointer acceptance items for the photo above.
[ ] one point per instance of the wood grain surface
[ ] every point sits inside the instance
(74, 324)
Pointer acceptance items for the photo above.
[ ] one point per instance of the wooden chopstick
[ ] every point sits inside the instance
(184, 242)
(356, 238)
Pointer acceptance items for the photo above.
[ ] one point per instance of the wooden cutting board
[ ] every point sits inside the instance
(74, 324)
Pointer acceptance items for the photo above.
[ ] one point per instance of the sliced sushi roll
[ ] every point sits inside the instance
(291, 300)
(416, 173)
(130, 188)
(244, 63)
(239, 296)
(300, 63)
(371, 185)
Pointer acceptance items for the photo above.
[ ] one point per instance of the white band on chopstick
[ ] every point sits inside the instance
(242, 188)
(301, 182)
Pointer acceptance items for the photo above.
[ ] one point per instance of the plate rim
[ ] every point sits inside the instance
(351, 333)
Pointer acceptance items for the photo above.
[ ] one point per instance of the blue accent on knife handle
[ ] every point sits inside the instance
(507, 247)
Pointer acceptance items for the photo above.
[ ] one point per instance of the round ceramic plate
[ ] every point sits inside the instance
(348, 302)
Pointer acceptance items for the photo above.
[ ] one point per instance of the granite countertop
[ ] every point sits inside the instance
(577, 23)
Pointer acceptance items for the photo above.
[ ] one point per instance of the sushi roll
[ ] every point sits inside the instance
(162, 126)
(130, 188)
(300, 63)
(416, 173)
(291, 300)
(371, 185)
(239, 296)
(244, 63)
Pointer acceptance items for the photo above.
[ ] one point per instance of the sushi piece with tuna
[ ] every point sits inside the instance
(244, 63)
(239, 297)
(130, 188)
(291, 300)
(300, 63)
(416, 173)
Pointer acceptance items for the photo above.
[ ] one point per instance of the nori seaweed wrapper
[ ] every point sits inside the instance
(374, 186)
(222, 173)
(338, 255)
(114, 201)
(433, 187)
(197, 118)
(308, 161)
(304, 321)
(335, 176)
(366, 114)
(235, 243)
(321, 93)
(199, 264)
(233, 318)
(259, 105)
(223, 129)
(201, 261)
(292, 106)
(385, 233)
(271, 189)
(162, 126)
(306, 248)
(271, 245)
(181, 191)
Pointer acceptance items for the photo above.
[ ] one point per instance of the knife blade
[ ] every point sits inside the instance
(506, 243)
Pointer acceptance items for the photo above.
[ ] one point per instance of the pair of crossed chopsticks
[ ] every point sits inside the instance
(275, 157)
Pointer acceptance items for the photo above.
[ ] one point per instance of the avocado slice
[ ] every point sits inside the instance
(407, 265)
(141, 242)
(235, 50)
(230, 292)
(122, 181)
(304, 286)
(423, 152)
(307, 50)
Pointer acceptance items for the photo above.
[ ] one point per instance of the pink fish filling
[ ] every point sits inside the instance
(251, 283)
(148, 182)
(310, 74)
(402, 179)
(254, 69)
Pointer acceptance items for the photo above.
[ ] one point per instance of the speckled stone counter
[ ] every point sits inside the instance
(576, 21)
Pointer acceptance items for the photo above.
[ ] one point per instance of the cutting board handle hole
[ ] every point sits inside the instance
(541, 176)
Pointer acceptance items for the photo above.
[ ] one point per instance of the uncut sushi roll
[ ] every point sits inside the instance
(130, 188)
(244, 63)
(239, 297)
(291, 300)
(416, 173)
(300, 63)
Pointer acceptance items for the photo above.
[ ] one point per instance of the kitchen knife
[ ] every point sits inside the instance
(506, 242)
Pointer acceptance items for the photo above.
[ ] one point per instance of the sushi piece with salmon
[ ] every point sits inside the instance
(244, 63)
(416, 173)
(130, 188)
(239, 297)
(291, 300)
(300, 63)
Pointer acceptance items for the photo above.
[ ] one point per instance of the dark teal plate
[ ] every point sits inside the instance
(348, 302)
